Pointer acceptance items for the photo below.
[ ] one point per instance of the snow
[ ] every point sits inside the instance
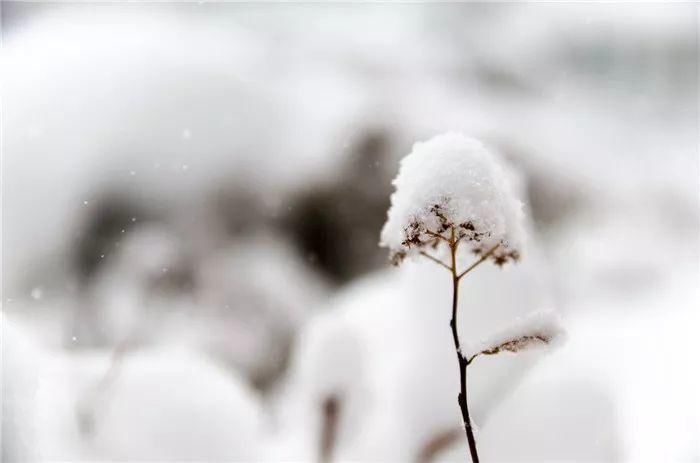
(18, 379)
(254, 296)
(594, 104)
(538, 328)
(37, 293)
(453, 181)
(168, 403)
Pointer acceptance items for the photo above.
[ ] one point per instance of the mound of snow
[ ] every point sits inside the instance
(167, 404)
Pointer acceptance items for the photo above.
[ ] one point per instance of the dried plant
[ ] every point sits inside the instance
(453, 198)
(516, 345)
(453, 242)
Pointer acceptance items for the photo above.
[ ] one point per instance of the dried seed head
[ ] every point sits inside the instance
(451, 186)
(538, 329)
(518, 344)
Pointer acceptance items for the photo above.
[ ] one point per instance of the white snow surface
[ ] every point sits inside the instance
(165, 404)
(470, 184)
(18, 382)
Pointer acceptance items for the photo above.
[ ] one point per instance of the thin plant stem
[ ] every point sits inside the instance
(461, 359)
(436, 260)
(438, 236)
(463, 362)
(476, 264)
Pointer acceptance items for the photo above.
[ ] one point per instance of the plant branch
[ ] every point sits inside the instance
(461, 359)
(438, 236)
(515, 344)
(436, 260)
(481, 260)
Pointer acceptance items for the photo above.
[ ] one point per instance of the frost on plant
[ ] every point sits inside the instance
(453, 197)
(453, 181)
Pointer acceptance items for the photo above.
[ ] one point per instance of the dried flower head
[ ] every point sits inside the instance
(517, 344)
(537, 329)
(453, 184)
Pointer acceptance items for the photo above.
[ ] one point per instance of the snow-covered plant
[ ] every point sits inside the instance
(454, 198)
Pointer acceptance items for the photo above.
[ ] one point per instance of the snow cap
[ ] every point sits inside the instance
(453, 182)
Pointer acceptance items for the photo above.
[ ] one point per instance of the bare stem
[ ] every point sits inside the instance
(438, 236)
(436, 260)
(476, 264)
(461, 359)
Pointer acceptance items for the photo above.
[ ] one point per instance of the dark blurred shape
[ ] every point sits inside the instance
(500, 79)
(330, 410)
(110, 219)
(551, 196)
(438, 443)
(337, 226)
(241, 210)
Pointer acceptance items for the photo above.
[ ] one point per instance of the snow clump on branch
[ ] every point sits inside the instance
(538, 329)
(452, 182)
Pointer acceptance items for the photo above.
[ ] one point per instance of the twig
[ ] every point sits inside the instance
(476, 264)
(453, 243)
(461, 359)
(514, 345)
(438, 236)
(436, 260)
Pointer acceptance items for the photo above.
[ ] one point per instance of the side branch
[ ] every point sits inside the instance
(476, 264)
(436, 260)
(438, 236)
(515, 344)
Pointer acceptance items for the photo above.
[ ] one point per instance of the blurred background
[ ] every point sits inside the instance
(192, 195)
